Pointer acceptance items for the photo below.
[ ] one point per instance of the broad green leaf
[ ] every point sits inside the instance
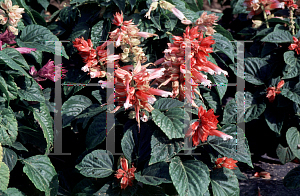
(244, 107)
(41, 172)
(8, 127)
(17, 57)
(97, 95)
(84, 187)
(22, 4)
(182, 6)
(154, 174)
(3, 87)
(90, 112)
(294, 94)
(1, 153)
(120, 4)
(9, 158)
(221, 84)
(167, 103)
(108, 189)
(11, 86)
(4, 176)
(289, 58)
(32, 136)
(42, 116)
(127, 144)
(80, 30)
(39, 37)
(97, 164)
(14, 192)
(169, 20)
(236, 148)
(224, 182)
(293, 140)
(163, 149)
(212, 99)
(292, 179)
(284, 154)
(222, 44)
(38, 18)
(99, 32)
(189, 177)
(7, 60)
(38, 56)
(68, 15)
(291, 71)
(279, 36)
(223, 32)
(156, 20)
(43, 3)
(97, 131)
(75, 75)
(29, 89)
(274, 117)
(73, 107)
(239, 8)
(170, 122)
(19, 146)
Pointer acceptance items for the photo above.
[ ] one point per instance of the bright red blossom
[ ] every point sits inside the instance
(295, 46)
(126, 175)
(255, 6)
(205, 126)
(272, 91)
(226, 162)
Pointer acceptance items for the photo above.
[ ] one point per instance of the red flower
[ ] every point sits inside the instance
(207, 125)
(272, 91)
(126, 175)
(295, 45)
(255, 6)
(226, 162)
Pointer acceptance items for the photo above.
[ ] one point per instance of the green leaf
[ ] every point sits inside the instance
(41, 172)
(75, 75)
(42, 116)
(239, 8)
(22, 4)
(4, 176)
(293, 140)
(221, 84)
(11, 86)
(68, 15)
(120, 4)
(284, 154)
(73, 107)
(289, 58)
(38, 18)
(84, 187)
(6, 59)
(109, 190)
(223, 32)
(169, 122)
(246, 106)
(212, 99)
(19, 146)
(154, 174)
(189, 177)
(279, 36)
(14, 192)
(99, 32)
(9, 158)
(293, 95)
(29, 90)
(169, 20)
(17, 57)
(237, 148)
(97, 164)
(222, 44)
(8, 127)
(292, 179)
(274, 117)
(3, 87)
(44, 3)
(224, 182)
(183, 7)
(291, 71)
(163, 149)
(167, 103)
(97, 131)
(38, 56)
(127, 144)
(97, 95)
(90, 112)
(80, 30)
(39, 37)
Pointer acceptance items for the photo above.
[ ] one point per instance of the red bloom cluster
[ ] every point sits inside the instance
(295, 46)
(290, 3)
(126, 175)
(174, 62)
(205, 126)
(272, 91)
(254, 6)
(226, 162)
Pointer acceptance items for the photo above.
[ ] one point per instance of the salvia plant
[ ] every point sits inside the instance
(133, 97)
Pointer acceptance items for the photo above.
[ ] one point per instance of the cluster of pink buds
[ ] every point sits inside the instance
(12, 14)
(206, 22)
(174, 63)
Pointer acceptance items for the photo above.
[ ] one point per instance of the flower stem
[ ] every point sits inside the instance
(265, 15)
(292, 26)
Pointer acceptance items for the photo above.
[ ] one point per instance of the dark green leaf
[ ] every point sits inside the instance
(167, 103)
(97, 164)
(289, 58)
(155, 174)
(17, 57)
(43, 3)
(294, 94)
(99, 32)
(38, 18)
(29, 90)
(8, 127)
(293, 140)
(4, 176)
(80, 30)
(75, 75)
(274, 117)
(127, 144)
(120, 4)
(223, 32)
(279, 36)
(6, 59)
(9, 158)
(19, 146)
(222, 44)
(224, 182)
(14, 192)
(284, 154)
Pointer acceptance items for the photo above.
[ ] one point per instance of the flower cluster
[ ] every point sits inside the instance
(12, 14)
(290, 4)
(126, 175)
(174, 63)
(168, 6)
(205, 126)
(46, 72)
(295, 46)
(206, 22)
(226, 162)
(255, 6)
(272, 91)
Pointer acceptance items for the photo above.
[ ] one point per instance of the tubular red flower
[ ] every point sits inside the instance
(226, 162)
(126, 175)
(207, 125)
(272, 91)
(295, 46)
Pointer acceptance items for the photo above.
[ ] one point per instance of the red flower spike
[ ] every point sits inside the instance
(295, 46)
(207, 125)
(226, 162)
(272, 91)
(126, 175)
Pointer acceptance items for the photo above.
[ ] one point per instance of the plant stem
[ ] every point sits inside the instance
(265, 15)
(292, 26)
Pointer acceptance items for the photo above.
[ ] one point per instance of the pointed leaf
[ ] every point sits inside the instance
(279, 36)
(167, 103)
(293, 94)
(29, 89)
(284, 154)
(222, 44)
(8, 127)
(293, 140)
(9, 158)
(7, 60)
(127, 144)
(224, 182)
(4, 176)
(274, 117)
